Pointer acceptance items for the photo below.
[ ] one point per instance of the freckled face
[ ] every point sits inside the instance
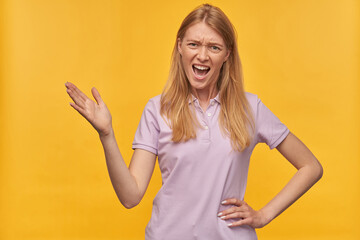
(203, 53)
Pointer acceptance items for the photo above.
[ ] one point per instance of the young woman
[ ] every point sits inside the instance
(203, 129)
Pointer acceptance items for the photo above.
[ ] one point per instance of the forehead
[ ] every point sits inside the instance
(204, 33)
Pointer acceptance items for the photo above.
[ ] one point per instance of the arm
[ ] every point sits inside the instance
(130, 183)
(309, 172)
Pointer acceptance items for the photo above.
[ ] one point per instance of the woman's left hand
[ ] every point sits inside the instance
(242, 210)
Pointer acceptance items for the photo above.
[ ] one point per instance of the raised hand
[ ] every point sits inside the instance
(247, 215)
(96, 113)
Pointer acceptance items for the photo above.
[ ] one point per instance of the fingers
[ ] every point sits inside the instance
(96, 95)
(240, 211)
(76, 91)
(73, 92)
(233, 201)
(240, 223)
(79, 97)
(233, 212)
(74, 96)
(77, 108)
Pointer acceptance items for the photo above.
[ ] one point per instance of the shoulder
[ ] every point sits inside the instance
(154, 102)
(152, 107)
(156, 98)
(252, 99)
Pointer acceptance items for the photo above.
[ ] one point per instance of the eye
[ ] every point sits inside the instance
(192, 45)
(215, 48)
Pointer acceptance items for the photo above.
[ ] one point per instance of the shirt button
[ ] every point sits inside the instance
(212, 103)
(206, 127)
(209, 114)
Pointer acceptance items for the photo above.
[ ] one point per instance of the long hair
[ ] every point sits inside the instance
(236, 119)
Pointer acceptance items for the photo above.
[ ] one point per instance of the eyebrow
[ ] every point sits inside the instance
(209, 43)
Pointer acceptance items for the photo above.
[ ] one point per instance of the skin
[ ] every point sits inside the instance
(203, 46)
(309, 171)
(130, 183)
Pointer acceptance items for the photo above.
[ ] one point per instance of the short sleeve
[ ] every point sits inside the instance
(269, 128)
(147, 133)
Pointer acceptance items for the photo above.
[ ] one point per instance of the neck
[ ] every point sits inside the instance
(204, 95)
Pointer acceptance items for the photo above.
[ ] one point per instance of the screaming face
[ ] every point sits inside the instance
(203, 53)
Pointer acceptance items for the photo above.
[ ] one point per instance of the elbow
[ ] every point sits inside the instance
(128, 199)
(129, 205)
(321, 172)
(318, 171)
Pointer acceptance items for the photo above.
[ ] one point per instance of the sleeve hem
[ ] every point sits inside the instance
(145, 147)
(280, 139)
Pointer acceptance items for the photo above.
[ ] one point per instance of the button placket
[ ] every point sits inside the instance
(210, 110)
(205, 122)
(204, 132)
(209, 115)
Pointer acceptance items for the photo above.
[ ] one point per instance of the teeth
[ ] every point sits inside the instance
(201, 67)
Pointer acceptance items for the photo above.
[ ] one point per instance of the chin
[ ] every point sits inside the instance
(199, 86)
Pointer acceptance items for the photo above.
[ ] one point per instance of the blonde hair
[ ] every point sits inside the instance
(236, 119)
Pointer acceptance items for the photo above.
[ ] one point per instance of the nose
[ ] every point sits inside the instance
(203, 54)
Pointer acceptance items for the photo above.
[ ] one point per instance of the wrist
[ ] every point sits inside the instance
(106, 134)
(266, 215)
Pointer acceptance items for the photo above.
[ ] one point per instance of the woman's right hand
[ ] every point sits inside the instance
(97, 113)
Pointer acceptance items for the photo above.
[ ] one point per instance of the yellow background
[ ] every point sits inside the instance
(301, 57)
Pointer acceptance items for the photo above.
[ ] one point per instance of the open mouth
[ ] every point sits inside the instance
(200, 71)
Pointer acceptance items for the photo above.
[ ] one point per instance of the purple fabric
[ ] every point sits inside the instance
(200, 173)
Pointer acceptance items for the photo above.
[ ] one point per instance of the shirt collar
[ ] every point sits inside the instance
(193, 98)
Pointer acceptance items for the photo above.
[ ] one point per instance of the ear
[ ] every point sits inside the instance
(227, 55)
(179, 45)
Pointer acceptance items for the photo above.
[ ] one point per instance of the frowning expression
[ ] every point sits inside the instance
(203, 52)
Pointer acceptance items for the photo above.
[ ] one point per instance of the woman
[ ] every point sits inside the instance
(203, 128)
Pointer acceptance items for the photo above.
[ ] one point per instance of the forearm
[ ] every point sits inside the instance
(124, 183)
(302, 181)
(98, 115)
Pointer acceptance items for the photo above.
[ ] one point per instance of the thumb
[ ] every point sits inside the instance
(96, 95)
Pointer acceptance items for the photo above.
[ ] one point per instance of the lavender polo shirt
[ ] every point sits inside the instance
(200, 173)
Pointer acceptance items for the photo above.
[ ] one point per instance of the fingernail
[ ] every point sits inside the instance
(230, 224)
(219, 214)
(223, 202)
(223, 217)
